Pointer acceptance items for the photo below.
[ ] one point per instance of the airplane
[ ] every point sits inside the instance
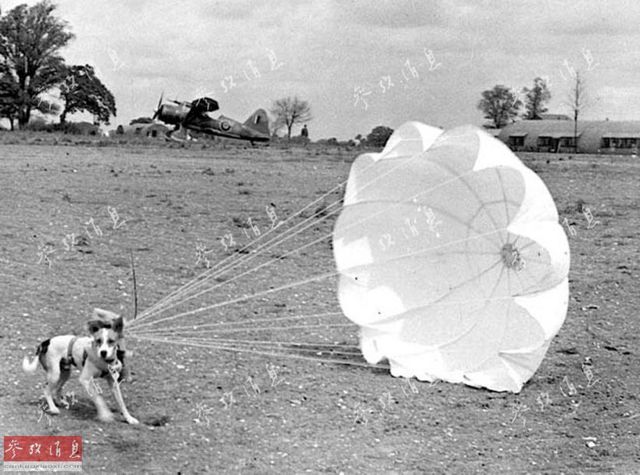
(194, 116)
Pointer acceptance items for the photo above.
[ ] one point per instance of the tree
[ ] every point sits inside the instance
(9, 93)
(81, 90)
(30, 39)
(500, 105)
(378, 136)
(290, 111)
(536, 98)
(577, 101)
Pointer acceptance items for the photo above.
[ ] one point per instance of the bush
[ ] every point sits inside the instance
(378, 136)
(72, 128)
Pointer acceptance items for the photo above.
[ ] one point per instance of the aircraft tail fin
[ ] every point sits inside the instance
(259, 122)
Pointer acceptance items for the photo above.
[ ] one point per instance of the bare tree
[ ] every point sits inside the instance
(577, 101)
(290, 111)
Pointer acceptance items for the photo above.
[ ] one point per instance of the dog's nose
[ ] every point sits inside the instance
(103, 353)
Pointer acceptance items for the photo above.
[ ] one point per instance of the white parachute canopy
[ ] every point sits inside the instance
(451, 259)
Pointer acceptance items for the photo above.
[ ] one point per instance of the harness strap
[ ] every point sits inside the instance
(69, 359)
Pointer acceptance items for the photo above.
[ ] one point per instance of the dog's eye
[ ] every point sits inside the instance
(99, 341)
(110, 341)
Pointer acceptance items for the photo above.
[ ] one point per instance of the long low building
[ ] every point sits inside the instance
(605, 136)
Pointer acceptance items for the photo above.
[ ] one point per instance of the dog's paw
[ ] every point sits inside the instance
(133, 420)
(54, 410)
(62, 402)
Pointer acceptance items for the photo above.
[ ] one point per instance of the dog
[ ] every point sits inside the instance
(96, 356)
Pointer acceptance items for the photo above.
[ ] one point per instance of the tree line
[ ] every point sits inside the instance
(31, 65)
(502, 105)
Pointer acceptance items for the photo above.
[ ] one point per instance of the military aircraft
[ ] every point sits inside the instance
(194, 116)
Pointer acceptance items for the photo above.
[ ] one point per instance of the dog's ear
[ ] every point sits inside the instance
(118, 325)
(104, 315)
(94, 326)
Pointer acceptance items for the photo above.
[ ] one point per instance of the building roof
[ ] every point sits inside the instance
(621, 135)
(564, 128)
(554, 117)
(559, 135)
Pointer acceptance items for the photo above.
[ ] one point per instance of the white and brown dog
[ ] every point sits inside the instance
(97, 356)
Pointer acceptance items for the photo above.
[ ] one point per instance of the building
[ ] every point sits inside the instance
(84, 128)
(554, 117)
(144, 130)
(557, 136)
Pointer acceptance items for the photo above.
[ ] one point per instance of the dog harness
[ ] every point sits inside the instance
(65, 363)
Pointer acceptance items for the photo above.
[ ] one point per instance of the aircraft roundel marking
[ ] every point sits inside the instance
(225, 125)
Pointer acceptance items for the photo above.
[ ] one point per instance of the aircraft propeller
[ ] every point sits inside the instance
(156, 113)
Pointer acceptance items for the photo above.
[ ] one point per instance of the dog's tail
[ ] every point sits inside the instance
(30, 367)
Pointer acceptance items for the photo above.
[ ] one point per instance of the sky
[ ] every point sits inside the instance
(359, 63)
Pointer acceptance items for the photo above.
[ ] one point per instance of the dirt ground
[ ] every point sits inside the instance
(209, 411)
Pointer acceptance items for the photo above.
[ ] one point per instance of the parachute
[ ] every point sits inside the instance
(451, 259)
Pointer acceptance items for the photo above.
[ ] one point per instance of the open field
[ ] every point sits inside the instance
(208, 411)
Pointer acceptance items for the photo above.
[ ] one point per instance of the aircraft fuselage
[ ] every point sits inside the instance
(178, 114)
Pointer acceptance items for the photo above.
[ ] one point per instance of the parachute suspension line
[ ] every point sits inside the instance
(240, 323)
(224, 265)
(309, 346)
(242, 299)
(284, 347)
(293, 251)
(236, 277)
(207, 273)
(262, 353)
(183, 297)
(238, 326)
(187, 333)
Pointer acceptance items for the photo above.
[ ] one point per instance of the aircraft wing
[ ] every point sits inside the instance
(200, 106)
